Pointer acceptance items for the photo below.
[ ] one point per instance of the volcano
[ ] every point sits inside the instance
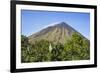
(57, 33)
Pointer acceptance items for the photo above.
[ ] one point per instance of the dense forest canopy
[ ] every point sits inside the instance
(76, 48)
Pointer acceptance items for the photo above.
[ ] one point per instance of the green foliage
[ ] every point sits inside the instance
(56, 54)
(77, 48)
(40, 51)
(24, 51)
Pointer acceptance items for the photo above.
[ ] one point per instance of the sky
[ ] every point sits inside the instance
(33, 21)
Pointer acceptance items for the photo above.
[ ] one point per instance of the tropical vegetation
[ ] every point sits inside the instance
(76, 48)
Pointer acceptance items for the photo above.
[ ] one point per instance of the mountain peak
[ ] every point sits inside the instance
(61, 24)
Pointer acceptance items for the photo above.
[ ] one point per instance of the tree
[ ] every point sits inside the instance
(24, 51)
(56, 54)
(77, 48)
(39, 51)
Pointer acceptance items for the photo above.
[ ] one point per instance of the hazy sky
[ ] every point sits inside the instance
(33, 21)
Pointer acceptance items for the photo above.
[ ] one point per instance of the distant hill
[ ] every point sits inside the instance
(58, 33)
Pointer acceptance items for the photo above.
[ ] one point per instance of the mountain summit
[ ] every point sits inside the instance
(58, 33)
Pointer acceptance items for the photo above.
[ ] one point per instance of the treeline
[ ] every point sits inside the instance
(77, 48)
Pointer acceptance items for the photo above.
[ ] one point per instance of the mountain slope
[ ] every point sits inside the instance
(57, 33)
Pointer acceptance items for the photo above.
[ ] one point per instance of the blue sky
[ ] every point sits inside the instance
(33, 21)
